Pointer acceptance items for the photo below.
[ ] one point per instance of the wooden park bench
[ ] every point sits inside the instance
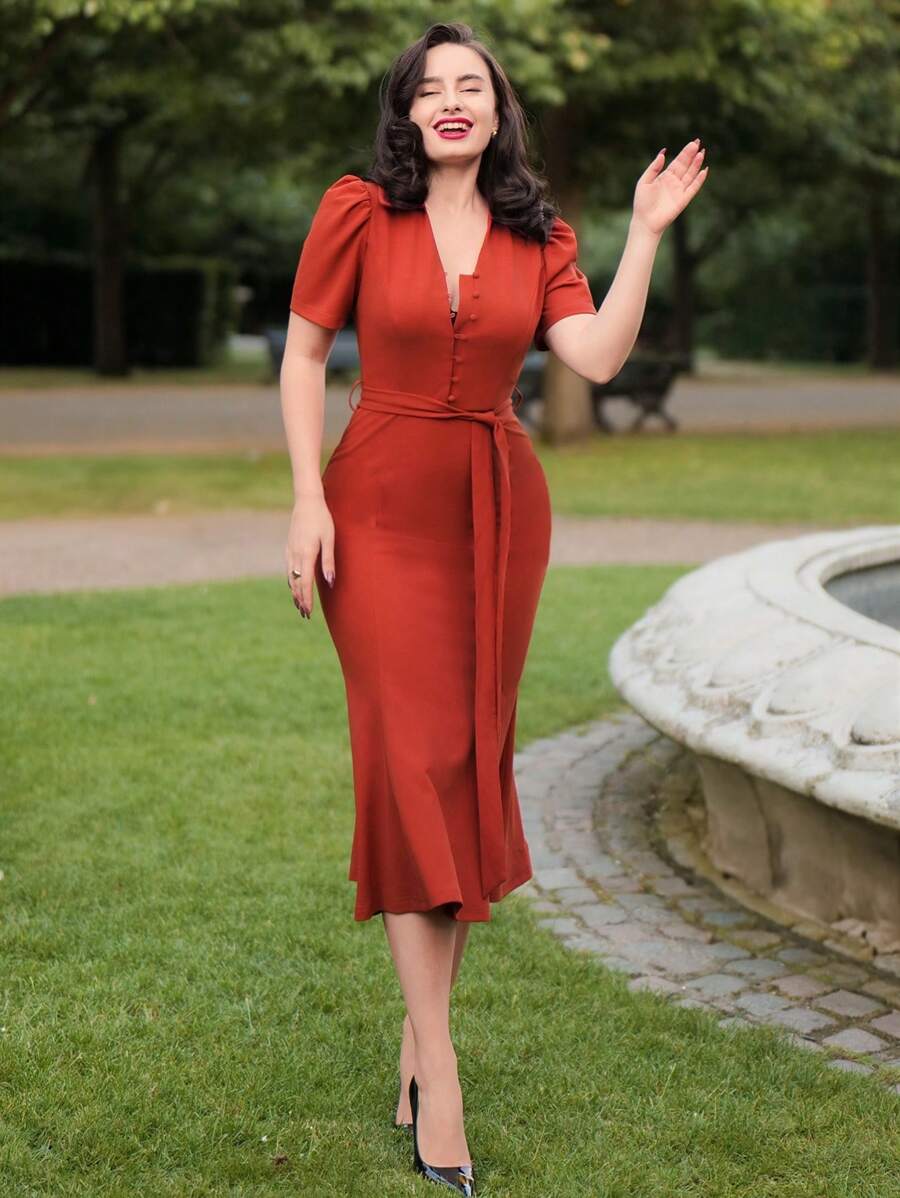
(644, 380)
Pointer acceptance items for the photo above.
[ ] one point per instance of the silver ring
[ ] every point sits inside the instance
(295, 573)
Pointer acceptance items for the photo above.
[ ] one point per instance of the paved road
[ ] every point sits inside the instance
(113, 419)
(123, 551)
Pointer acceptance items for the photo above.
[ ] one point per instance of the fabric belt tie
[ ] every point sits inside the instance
(491, 500)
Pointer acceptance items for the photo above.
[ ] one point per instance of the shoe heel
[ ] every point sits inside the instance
(460, 1178)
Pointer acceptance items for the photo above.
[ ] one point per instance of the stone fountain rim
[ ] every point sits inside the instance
(777, 580)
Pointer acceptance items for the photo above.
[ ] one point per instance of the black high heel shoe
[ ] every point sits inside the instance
(458, 1177)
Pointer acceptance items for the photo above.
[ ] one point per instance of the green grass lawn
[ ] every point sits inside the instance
(188, 1007)
(250, 367)
(834, 478)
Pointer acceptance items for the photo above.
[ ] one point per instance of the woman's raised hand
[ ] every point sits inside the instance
(663, 191)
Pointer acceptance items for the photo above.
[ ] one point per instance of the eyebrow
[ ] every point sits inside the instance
(459, 78)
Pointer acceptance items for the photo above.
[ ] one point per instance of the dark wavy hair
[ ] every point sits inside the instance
(516, 193)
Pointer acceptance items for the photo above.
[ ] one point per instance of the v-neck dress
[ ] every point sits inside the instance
(442, 539)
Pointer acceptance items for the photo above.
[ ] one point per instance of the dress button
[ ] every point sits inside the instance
(475, 295)
(475, 276)
(454, 378)
(451, 398)
(473, 317)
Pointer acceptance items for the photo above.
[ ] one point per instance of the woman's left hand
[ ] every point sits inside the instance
(661, 193)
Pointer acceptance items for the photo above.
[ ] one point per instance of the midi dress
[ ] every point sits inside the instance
(442, 538)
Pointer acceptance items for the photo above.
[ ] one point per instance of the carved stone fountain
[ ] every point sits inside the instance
(779, 668)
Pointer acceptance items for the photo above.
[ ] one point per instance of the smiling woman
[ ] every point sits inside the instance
(440, 515)
(428, 534)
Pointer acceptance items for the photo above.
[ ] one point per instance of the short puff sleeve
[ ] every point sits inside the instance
(328, 273)
(566, 289)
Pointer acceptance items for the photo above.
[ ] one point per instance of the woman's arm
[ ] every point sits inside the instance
(598, 346)
(302, 384)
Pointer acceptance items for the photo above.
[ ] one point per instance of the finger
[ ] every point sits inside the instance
(294, 583)
(694, 187)
(679, 165)
(307, 568)
(656, 165)
(327, 561)
(694, 169)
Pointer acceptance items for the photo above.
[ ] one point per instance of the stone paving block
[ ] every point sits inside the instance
(735, 1021)
(723, 950)
(650, 864)
(562, 927)
(889, 1024)
(856, 1039)
(627, 931)
(655, 983)
(685, 931)
(633, 901)
(760, 969)
(800, 985)
(620, 964)
(761, 1004)
(671, 957)
(726, 919)
(804, 1042)
(700, 902)
(675, 885)
(691, 1002)
(802, 1019)
(544, 905)
(849, 948)
(889, 991)
(889, 962)
(556, 879)
(587, 942)
(715, 985)
(756, 940)
(544, 858)
(622, 884)
(797, 955)
(845, 1002)
(572, 896)
(602, 914)
(723, 1004)
(602, 866)
(840, 973)
(848, 1066)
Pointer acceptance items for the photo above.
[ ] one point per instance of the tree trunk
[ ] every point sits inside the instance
(881, 314)
(683, 284)
(110, 353)
(567, 412)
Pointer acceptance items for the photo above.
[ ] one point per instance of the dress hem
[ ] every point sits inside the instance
(361, 915)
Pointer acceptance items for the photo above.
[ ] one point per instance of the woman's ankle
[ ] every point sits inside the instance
(435, 1061)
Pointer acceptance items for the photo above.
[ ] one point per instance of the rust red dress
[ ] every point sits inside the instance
(442, 537)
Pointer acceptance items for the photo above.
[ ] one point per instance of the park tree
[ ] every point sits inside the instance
(784, 93)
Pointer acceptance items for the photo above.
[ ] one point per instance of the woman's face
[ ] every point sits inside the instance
(456, 84)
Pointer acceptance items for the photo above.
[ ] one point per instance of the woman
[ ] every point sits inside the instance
(428, 534)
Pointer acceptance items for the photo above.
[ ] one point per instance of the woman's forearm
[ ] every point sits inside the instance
(302, 385)
(618, 320)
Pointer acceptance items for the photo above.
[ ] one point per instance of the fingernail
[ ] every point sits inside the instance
(329, 578)
(662, 151)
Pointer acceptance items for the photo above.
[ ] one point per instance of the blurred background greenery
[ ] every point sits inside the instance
(161, 162)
